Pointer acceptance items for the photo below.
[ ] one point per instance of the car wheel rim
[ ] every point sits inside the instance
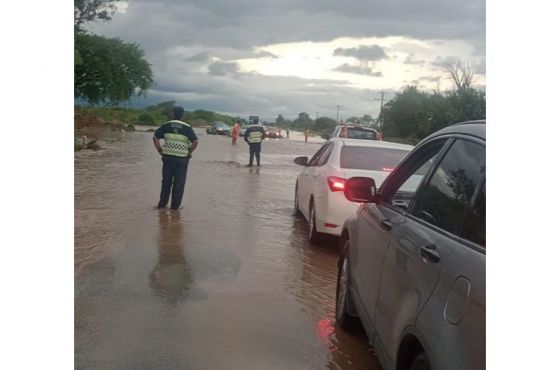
(342, 288)
(311, 221)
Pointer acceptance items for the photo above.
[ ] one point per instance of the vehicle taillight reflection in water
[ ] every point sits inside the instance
(336, 183)
(324, 331)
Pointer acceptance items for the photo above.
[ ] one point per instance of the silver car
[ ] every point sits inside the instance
(413, 258)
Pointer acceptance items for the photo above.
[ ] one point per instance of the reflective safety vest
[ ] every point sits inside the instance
(254, 136)
(176, 144)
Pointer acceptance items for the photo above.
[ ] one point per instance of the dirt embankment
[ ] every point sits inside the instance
(89, 129)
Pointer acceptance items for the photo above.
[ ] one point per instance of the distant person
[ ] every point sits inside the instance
(287, 132)
(176, 152)
(235, 132)
(254, 135)
(279, 132)
(306, 134)
(345, 131)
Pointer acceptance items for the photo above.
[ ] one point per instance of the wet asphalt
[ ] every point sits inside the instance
(228, 282)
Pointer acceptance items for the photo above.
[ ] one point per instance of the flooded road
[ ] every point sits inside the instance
(229, 282)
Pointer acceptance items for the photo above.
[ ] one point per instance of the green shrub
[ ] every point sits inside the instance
(145, 119)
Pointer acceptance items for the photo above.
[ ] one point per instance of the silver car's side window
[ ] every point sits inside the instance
(447, 195)
(403, 189)
(475, 224)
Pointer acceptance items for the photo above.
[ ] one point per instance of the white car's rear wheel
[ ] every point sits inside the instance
(297, 211)
(313, 236)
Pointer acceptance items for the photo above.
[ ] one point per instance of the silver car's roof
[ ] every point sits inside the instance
(471, 128)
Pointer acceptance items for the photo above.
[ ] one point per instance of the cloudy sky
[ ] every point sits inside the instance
(270, 57)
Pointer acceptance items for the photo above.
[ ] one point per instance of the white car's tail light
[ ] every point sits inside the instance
(336, 183)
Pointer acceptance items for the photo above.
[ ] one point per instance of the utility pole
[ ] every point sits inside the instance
(337, 109)
(316, 116)
(381, 110)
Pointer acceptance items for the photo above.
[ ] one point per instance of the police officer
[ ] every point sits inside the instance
(254, 135)
(180, 143)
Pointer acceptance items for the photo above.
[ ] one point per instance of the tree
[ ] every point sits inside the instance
(146, 118)
(92, 10)
(467, 102)
(461, 75)
(111, 71)
(162, 108)
(415, 114)
(324, 124)
(406, 115)
(303, 121)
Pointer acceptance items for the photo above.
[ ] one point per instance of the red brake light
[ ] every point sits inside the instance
(336, 183)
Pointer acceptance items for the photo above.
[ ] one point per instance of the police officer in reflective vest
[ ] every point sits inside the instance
(254, 135)
(180, 142)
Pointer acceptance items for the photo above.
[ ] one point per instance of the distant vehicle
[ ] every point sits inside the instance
(354, 132)
(254, 120)
(218, 128)
(319, 187)
(242, 130)
(413, 259)
(272, 132)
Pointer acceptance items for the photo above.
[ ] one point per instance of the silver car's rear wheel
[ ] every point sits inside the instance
(343, 299)
(420, 362)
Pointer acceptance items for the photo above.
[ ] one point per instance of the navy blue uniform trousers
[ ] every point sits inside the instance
(255, 151)
(174, 177)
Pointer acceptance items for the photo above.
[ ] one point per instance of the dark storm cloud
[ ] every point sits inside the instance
(194, 45)
(246, 24)
(360, 70)
(267, 96)
(199, 57)
(444, 62)
(480, 67)
(411, 59)
(226, 54)
(430, 78)
(222, 68)
(363, 52)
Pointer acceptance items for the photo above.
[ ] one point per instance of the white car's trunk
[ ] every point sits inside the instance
(378, 176)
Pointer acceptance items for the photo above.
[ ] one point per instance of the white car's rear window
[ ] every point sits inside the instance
(359, 133)
(370, 158)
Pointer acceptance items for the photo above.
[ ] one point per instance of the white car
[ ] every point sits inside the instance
(319, 192)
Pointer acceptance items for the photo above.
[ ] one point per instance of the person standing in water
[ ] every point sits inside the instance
(235, 133)
(254, 136)
(176, 152)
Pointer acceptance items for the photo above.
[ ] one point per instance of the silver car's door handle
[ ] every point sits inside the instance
(429, 254)
(386, 225)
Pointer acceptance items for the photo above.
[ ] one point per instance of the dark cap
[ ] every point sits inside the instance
(178, 110)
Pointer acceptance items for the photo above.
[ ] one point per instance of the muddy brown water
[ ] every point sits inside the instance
(229, 282)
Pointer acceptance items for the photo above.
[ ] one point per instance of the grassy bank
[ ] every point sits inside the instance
(151, 116)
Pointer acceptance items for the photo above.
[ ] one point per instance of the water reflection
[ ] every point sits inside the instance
(171, 277)
(313, 285)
